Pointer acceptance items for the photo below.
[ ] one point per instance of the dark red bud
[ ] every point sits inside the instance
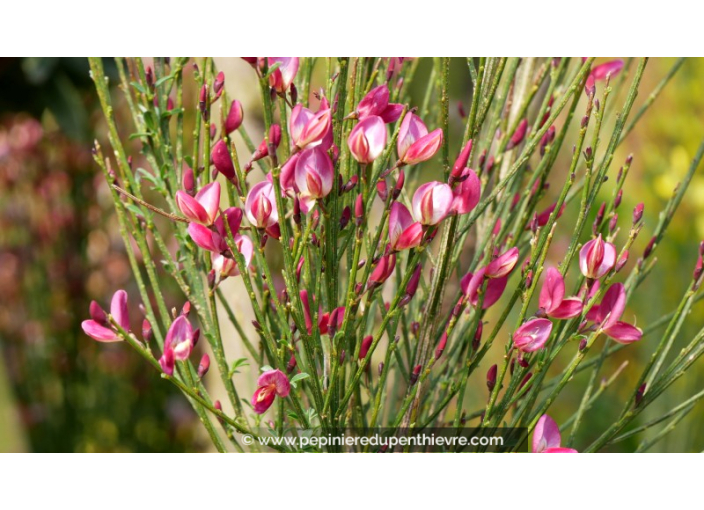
(441, 346)
(639, 393)
(364, 348)
(491, 377)
(382, 190)
(147, 332)
(345, 217)
(415, 374)
(648, 249)
(98, 314)
(399, 184)
(638, 213)
(518, 135)
(412, 286)
(359, 209)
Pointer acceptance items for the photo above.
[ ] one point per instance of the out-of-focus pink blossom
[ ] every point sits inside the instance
(600, 72)
(269, 385)
(472, 282)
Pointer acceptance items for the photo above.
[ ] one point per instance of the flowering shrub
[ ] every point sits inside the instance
(381, 267)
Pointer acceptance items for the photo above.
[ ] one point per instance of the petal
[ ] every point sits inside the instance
(209, 199)
(624, 333)
(546, 434)
(532, 335)
(467, 193)
(392, 113)
(553, 290)
(399, 220)
(262, 399)
(119, 310)
(278, 378)
(612, 305)
(191, 208)
(560, 450)
(202, 236)
(569, 308)
(412, 129)
(424, 148)
(410, 238)
(98, 332)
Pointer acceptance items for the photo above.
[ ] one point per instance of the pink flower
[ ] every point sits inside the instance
(413, 149)
(600, 72)
(307, 128)
(177, 345)
(552, 297)
(596, 258)
(412, 129)
(368, 139)
(376, 103)
(466, 194)
(260, 205)
(314, 173)
(471, 283)
(404, 233)
(282, 77)
(432, 202)
(532, 335)
(222, 160)
(234, 117)
(204, 207)
(608, 313)
(215, 240)
(270, 384)
(458, 168)
(287, 179)
(227, 266)
(546, 437)
(99, 328)
(502, 265)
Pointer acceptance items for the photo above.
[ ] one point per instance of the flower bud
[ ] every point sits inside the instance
(359, 210)
(203, 366)
(640, 393)
(222, 160)
(345, 217)
(491, 377)
(364, 348)
(518, 135)
(291, 365)
(441, 345)
(381, 368)
(415, 374)
(638, 213)
(235, 117)
(147, 332)
(649, 248)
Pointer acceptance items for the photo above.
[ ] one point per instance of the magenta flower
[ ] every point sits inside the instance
(552, 297)
(412, 129)
(546, 437)
(503, 264)
(368, 139)
(466, 194)
(234, 117)
(222, 160)
(415, 144)
(216, 240)
(608, 313)
(204, 207)
(314, 174)
(227, 266)
(282, 77)
(404, 233)
(432, 202)
(600, 72)
(596, 258)
(376, 103)
(471, 283)
(287, 179)
(99, 327)
(532, 335)
(307, 128)
(177, 345)
(260, 205)
(270, 384)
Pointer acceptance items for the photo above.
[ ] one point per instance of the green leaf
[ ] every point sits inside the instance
(238, 363)
(298, 377)
(266, 368)
(134, 209)
(138, 87)
(163, 80)
(272, 69)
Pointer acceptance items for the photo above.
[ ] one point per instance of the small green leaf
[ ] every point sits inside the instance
(138, 87)
(163, 80)
(298, 377)
(266, 368)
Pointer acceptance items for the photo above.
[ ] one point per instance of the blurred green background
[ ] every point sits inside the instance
(59, 248)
